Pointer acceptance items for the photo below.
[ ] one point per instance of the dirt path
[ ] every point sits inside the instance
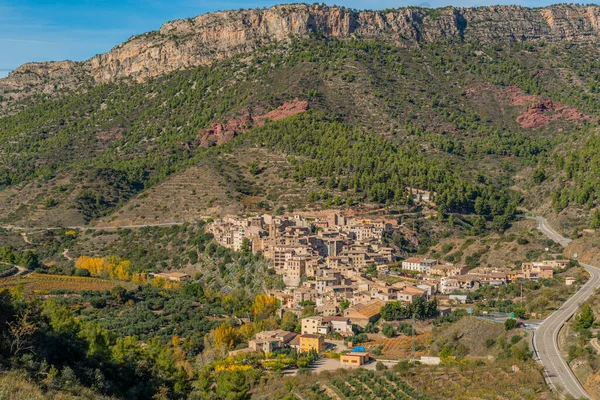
(25, 238)
(20, 270)
(65, 254)
(25, 229)
(595, 344)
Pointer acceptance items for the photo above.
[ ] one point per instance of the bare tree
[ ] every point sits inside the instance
(21, 332)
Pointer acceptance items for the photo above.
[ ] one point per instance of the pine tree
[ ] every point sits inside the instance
(595, 222)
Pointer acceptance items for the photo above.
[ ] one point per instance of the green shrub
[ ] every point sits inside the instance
(510, 324)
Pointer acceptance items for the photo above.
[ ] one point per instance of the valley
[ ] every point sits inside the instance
(307, 202)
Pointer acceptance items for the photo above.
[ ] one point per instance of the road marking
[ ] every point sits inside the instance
(559, 318)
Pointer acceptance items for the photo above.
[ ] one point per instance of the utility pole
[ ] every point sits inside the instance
(521, 294)
(413, 336)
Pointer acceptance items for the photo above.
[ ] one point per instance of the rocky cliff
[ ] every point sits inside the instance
(211, 37)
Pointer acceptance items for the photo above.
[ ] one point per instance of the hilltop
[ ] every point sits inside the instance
(502, 98)
(212, 37)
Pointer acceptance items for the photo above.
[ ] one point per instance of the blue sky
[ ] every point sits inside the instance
(52, 30)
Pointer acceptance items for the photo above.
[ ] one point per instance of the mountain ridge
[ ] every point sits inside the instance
(211, 37)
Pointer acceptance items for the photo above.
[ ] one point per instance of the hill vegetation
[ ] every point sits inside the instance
(487, 127)
(440, 119)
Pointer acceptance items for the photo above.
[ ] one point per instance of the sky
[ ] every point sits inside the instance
(54, 30)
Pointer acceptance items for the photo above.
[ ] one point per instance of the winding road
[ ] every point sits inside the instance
(545, 341)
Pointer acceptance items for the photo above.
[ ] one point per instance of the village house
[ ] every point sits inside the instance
(293, 269)
(354, 359)
(449, 270)
(271, 340)
(458, 283)
(315, 326)
(303, 294)
(537, 270)
(310, 342)
(328, 309)
(341, 325)
(410, 293)
(363, 313)
(419, 264)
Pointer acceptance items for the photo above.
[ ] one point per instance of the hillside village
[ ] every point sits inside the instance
(342, 266)
(243, 204)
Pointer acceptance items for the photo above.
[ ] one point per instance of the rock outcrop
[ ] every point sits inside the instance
(210, 37)
(219, 133)
(544, 111)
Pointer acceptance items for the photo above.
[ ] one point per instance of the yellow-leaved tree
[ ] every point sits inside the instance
(264, 307)
(93, 264)
(109, 267)
(225, 336)
(118, 269)
(140, 277)
(246, 332)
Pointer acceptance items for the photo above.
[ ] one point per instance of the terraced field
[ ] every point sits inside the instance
(401, 347)
(24, 205)
(369, 385)
(192, 195)
(44, 284)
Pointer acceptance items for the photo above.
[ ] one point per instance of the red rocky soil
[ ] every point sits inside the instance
(219, 133)
(542, 111)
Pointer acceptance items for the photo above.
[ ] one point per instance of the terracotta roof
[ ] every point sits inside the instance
(370, 309)
(412, 290)
(329, 319)
(309, 336)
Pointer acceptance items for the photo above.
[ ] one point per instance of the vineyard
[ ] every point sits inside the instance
(370, 385)
(44, 284)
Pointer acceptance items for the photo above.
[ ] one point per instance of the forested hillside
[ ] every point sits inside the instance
(109, 173)
(465, 121)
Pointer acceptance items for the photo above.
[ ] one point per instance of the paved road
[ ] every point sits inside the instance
(551, 233)
(545, 341)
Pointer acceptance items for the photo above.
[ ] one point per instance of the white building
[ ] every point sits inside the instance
(419, 264)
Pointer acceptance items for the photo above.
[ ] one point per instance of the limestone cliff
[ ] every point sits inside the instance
(211, 37)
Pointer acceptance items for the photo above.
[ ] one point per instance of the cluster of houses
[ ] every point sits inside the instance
(325, 247)
(323, 257)
(312, 338)
(449, 278)
(328, 260)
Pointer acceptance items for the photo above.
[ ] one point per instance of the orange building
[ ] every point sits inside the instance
(354, 359)
(310, 342)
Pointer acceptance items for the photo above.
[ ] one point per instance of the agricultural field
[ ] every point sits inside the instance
(370, 385)
(401, 347)
(45, 284)
(479, 379)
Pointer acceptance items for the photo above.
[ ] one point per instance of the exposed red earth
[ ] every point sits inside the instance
(220, 133)
(542, 111)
